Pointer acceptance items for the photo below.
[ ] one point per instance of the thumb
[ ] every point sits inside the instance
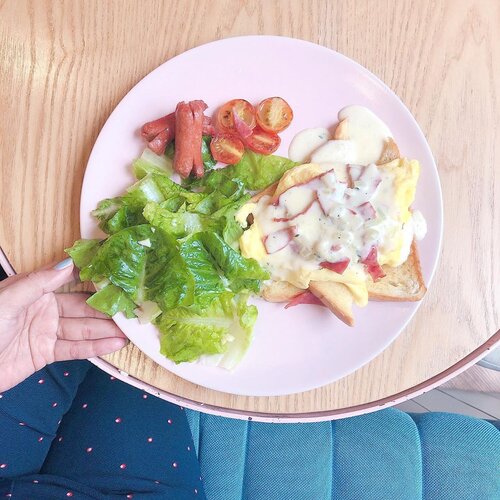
(30, 287)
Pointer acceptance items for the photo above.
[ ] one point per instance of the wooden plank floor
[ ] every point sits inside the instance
(475, 393)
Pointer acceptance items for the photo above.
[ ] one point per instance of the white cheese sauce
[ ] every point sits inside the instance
(419, 225)
(367, 131)
(335, 151)
(305, 142)
(362, 140)
(344, 212)
(326, 220)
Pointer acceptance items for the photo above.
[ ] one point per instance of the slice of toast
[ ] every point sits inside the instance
(269, 191)
(279, 291)
(402, 283)
(336, 297)
(389, 153)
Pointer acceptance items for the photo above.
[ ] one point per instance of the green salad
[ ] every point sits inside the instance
(171, 255)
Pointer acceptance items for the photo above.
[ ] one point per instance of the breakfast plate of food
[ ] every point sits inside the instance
(260, 216)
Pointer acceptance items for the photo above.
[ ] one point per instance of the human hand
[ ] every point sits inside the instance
(38, 327)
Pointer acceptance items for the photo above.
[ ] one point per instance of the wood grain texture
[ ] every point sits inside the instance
(65, 65)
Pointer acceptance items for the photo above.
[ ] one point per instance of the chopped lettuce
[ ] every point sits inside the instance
(82, 252)
(225, 327)
(172, 255)
(208, 282)
(179, 224)
(254, 171)
(145, 264)
(168, 281)
(150, 162)
(241, 273)
(111, 300)
(206, 154)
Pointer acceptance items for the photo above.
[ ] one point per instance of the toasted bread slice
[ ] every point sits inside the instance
(279, 291)
(336, 297)
(300, 174)
(404, 283)
(342, 131)
(269, 191)
(389, 153)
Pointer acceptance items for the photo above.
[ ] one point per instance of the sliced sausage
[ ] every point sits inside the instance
(208, 128)
(160, 142)
(197, 107)
(151, 129)
(184, 154)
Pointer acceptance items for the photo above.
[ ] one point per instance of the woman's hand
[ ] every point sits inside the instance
(38, 327)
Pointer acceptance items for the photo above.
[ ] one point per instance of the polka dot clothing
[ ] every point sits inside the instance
(72, 431)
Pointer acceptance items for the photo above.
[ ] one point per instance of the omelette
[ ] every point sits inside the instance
(334, 221)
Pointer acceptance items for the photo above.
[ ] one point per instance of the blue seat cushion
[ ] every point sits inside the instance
(384, 455)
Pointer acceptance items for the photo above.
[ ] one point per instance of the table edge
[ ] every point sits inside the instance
(309, 417)
(323, 415)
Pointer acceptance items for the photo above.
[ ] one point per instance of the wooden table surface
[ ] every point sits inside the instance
(65, 65)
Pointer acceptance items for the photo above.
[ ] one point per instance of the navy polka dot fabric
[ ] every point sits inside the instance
(72, 431)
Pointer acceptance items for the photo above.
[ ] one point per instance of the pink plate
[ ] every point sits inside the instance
(304, 347)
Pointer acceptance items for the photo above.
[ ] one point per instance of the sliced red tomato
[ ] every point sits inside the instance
(262, 142)
(241, 127)
(227, 149)
(240, 107)
(274, 114)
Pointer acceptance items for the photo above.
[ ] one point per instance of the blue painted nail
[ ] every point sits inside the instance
(64, 264)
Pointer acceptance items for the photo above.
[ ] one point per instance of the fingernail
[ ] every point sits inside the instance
(64, 264)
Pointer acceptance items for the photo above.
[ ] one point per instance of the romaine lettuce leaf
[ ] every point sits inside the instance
(150, 162)
(121, 259)
(207, 279)
(167, 279)
(241, 336)
(206, 154)
(145, 263)
(241, 273)
(82, 252)
(126, 216)
(112, 300)
(254, 170)
(179, 224)
(223, 328)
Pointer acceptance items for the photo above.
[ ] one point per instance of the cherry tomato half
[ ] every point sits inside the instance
(274, 114)
(225, 118)
(263, 142)
(227, 149)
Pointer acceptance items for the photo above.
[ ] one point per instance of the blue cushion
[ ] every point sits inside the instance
(383, 455)
(461, 457)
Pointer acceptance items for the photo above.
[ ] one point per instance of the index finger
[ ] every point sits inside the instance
(74, 305)
(28, 288)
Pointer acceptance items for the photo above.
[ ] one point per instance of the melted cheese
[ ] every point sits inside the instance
(305, 142)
